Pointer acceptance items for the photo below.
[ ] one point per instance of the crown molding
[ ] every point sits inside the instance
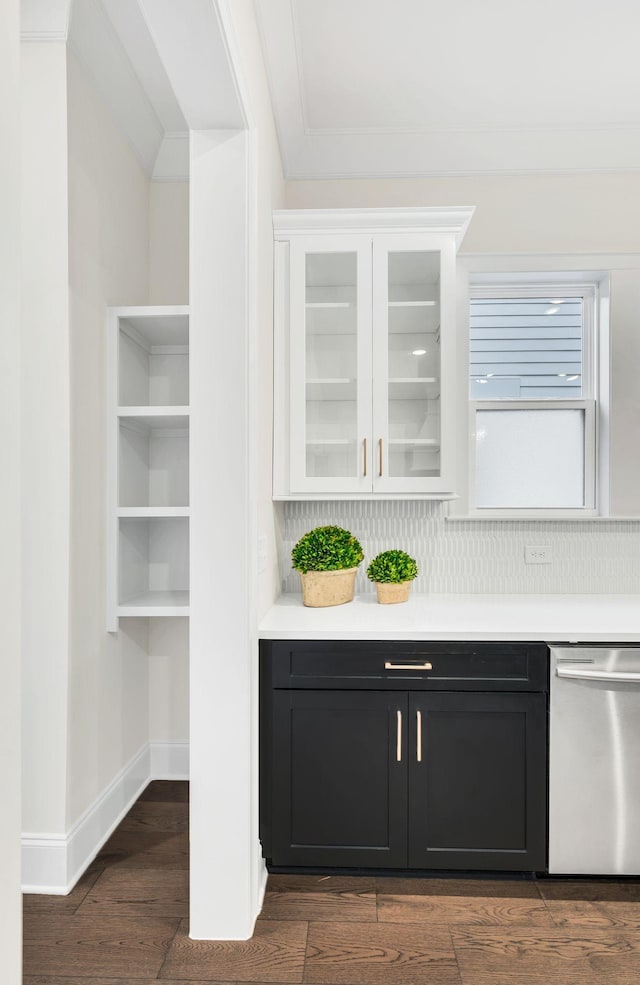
(574, 146)
(172, 161)
(44, 20)
(449, 219)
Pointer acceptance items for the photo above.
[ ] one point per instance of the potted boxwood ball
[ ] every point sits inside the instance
(392, 572)
(327, 559)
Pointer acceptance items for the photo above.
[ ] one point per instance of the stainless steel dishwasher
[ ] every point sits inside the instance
(594, 760)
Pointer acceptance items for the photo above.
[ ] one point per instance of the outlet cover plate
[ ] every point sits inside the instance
(538, 555)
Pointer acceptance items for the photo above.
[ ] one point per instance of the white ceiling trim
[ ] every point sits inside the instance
(44, 20)
(370, 152)
(172, 162)
(191, 43)
(94, 40)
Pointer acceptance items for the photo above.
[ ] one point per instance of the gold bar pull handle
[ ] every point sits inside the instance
(419, 736)
(388, 665)
(364, 457)
(380, 456)
(399, 737)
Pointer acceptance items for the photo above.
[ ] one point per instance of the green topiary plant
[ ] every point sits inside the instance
(392, 568)
(326, 549)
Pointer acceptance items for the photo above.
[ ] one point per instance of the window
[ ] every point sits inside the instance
(533, 389)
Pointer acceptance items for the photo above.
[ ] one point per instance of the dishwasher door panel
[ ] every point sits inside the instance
(594, 761)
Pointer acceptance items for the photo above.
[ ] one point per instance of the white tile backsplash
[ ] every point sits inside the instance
(484, 556)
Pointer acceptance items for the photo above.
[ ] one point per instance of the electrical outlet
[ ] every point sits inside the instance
(538, 555)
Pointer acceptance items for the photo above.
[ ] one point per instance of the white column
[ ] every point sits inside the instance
(45, 434)
(225, 858)
(10, 898)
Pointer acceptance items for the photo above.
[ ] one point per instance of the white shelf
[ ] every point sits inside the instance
(156, 604)
(336, 380)
(329, 441)
(328, 304)
(412, 304)
(413, 379)
(430, 442)
(152, 511)
(157, 417)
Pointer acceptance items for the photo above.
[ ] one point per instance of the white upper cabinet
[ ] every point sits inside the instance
(364, 358)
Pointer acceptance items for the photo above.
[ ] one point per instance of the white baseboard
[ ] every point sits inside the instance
(53, 863)
(169, 760)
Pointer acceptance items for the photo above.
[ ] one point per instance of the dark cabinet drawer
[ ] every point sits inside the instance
(428, 666)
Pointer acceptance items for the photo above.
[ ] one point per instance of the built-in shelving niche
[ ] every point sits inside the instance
(149, 462)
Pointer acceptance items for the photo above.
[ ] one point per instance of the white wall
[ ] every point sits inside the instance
(10, 899)
(597, 213)
(169, 680)
(109, 223)
(45, 422)
(169, 242)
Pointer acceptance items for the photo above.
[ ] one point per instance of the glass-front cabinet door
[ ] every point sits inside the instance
(413, 334)
(330, 384)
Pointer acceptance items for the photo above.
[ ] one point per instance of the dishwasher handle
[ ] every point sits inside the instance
(578, 674)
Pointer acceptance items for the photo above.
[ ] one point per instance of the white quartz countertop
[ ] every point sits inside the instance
(550, 618)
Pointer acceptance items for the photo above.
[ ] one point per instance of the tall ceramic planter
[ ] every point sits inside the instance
(389, 593)
(321, 588)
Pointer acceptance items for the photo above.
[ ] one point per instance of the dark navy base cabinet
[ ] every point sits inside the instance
(404, 755)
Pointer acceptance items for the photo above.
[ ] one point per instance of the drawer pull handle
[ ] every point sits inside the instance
(399, 737)
(391, 666)
(364, 457)
(380, 456)
(419, 736)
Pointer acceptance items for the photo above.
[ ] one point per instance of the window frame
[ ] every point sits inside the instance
(541, 286)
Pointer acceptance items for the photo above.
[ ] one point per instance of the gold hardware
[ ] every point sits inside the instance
(399, 737)
(380, 456)
(419, 736)
(364, 456)
(390, 666)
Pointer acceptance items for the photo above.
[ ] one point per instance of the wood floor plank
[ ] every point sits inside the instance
(40, 903)
(621, 913)
(139, 892)
(480, 910)
(82, 945)
(274, 954)
(534, 954)
(143, 849)
(578, 913)
(167, 791)
(298, 905)
(378, 954)
(91, 980)
(511, 888)
(288, 883)
(623, 890)
(146, 815)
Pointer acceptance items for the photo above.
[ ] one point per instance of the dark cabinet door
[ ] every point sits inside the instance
(477, 781)
(338, 778)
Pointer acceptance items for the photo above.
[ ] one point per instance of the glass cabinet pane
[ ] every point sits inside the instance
(413, 397)
(331, 365)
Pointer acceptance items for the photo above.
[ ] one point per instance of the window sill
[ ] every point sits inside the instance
(536, 517)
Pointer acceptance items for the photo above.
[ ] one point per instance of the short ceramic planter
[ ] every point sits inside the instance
(320, 588)
(389, 594)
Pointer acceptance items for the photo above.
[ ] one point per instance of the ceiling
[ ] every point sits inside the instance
(366, 88)
(374, 88)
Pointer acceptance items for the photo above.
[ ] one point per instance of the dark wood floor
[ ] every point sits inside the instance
(126, 922)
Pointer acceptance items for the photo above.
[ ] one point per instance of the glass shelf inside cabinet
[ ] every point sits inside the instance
(413, 386)
(331, 364)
